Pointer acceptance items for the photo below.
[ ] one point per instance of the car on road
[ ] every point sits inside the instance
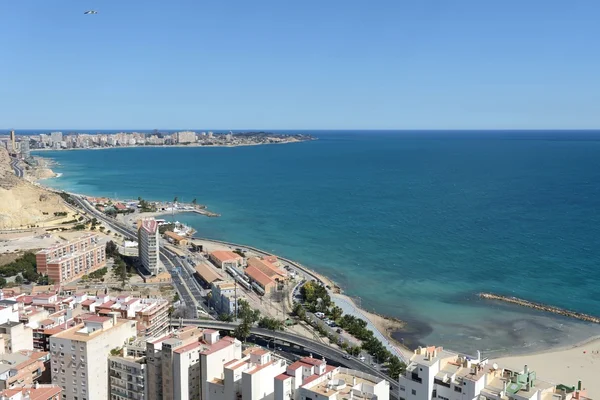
(320, 315)
(361, 358)
(347, 356)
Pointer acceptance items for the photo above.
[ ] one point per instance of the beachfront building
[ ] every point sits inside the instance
(186, 137)
(148, 247)
(180, 364)
(176, 239)
(435, 373)
(65, 262)
(261, 282)
(80, 355)
(267, 268)
(311, 378)
(224, 259)
(24, 367)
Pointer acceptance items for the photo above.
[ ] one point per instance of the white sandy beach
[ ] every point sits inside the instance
(565, 366)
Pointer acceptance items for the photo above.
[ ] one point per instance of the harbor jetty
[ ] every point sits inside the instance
(540, 306)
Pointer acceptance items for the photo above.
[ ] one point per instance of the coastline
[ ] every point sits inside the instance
(385, 331)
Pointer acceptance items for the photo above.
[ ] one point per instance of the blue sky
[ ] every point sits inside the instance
(323, 64)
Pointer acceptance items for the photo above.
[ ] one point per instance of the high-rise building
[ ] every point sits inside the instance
(13, 140)
(25, 152)
(127, 373)
(80, 356)
(148, 246)
(56, 137)
(186, 137)
(65, 262)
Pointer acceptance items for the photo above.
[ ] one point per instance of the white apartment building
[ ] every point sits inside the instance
(80, 356)
(127, 374)
(180, 364)
(435, 373)
(186, 137)
(310, 378)
(148, 248)
(249, 378)
(56, 137)
(15, 336)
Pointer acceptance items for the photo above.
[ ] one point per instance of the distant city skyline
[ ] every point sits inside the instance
(301, 66)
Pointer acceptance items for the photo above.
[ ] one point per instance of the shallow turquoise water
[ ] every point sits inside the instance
(414, 224)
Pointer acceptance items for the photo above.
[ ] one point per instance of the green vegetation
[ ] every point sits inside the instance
(239, 253)
(79, 227)
(145, 206)
(71, 221)
(67, 197)
(248, 317)
(98, 274)
(60, 214)
(225, 317)
(271, 323)
(123, 267)
(24, 265)
(115, 352)
(166, 227)
(315, 297)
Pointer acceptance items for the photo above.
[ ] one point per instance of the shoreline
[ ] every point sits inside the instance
(177, 146)
(381, 322)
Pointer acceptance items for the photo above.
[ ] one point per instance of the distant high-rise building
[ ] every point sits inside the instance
(186, 137)
(56, 137)
(12, 139)
(148, 237)
(25, 153)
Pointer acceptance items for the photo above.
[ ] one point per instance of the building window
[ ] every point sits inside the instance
(402, 388)
(458, 389)
(413, 392)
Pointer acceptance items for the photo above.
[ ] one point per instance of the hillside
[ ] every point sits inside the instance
(24, 204)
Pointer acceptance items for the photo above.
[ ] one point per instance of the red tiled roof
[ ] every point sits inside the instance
(88, 302)
(257, 275)
(149, 225)
(282, 377)
(299, 364)
(108, 304)
(97, 318)
(220, 345)
(312, 361)
(187, 347)
(224, 255)
(47, 322)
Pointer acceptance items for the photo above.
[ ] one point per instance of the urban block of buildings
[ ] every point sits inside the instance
(435, 373)
(65, 262)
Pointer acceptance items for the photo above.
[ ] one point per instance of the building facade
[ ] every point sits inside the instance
(148, 245)
(68, 261)
(127, 374)
(80, 356)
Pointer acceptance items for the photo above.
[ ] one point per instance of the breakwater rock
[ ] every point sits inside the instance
(541, 307)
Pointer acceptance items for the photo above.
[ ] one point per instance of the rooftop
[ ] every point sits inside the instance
(207, 273)
(225, 255)
(257, 275)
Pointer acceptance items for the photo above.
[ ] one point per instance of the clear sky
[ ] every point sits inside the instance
(322, 64)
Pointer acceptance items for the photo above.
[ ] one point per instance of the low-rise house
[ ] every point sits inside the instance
(261, 282)
(175, 238)
(224, 259)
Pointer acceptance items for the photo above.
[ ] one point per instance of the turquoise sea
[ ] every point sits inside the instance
(413, 223)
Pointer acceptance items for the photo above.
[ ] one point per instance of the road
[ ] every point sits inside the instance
(318, 349)
(14, 163)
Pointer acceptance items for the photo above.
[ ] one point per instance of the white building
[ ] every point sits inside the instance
(310, 378)
(127, 374)
(249, 378)
(80, 356)
(435, 373)
(56, 137)
(186, 137)
(180, 364)
(148, 248)
(15, 337)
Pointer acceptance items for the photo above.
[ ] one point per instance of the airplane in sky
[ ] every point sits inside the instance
(91, 12)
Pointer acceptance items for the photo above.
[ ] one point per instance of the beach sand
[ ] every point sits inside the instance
(565, 366)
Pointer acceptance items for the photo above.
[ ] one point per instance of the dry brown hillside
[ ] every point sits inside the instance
(22, 203)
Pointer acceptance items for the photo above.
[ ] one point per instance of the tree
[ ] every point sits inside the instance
(194, 202)
(395, 367)
(246, 313)
(19, 280)
(2, 282)
(242, 331)
(111, 249)
(336, 313)
(225, 317)
(175, 199)
(271, 323)
(299, 311)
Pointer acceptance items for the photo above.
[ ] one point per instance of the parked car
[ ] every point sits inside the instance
(361, 358)
(320, 315)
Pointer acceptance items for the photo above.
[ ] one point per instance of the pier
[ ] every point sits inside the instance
(541, 307)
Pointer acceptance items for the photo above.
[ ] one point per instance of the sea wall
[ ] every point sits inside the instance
(540, 306)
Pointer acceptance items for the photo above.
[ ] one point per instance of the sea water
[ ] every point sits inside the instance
(410, 224)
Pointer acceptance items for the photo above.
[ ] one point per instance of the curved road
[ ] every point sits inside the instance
(14, 163)
(319, 349)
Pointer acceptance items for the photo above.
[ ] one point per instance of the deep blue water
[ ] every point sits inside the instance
(414, 223)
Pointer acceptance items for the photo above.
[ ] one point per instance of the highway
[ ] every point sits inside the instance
(14, 163)
(318, 349)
